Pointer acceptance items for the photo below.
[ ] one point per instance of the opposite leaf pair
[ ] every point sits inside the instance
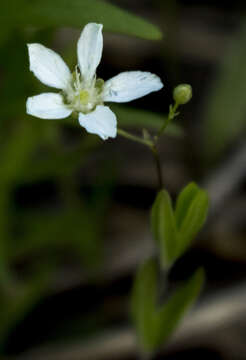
(154, 323)
(174, 230)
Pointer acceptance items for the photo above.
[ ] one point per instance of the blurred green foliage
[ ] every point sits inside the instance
(73, 13)
(39, 238)
(225, 107)
(130, 117)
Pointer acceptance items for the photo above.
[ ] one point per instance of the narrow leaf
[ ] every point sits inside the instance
(77, 13)
(143, 302)
(193, 221)
(171, 313)
(164, 227)
(183, 202)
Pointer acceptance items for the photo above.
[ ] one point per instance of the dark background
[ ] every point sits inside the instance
(74, 211)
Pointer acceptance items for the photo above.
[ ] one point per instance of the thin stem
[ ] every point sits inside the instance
(152, 145)
(158, 165)
(135, 138)
(171, 116)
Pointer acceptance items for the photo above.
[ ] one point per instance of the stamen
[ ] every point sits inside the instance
(76, 79)
(99, 85)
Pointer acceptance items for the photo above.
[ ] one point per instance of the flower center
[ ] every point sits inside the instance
(83, 96)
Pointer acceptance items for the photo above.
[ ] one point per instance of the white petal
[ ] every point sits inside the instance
(101, 121)
(48, 66)
(47, 106)
(89, 49)
(130, 85)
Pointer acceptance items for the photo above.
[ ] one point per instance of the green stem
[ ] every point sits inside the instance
(135, 138)
(171, 116)
(152, 146)
(158, 165)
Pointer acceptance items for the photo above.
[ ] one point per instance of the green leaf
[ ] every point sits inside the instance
(224, 118)
(132, 117)
(77, 13)
(174, 231)
(193, 218)
(143, 301)
(183, 202)
(164, 228)
(170, 314)
(155, 324)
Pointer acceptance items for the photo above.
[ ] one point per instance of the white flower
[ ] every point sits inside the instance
(81, 92)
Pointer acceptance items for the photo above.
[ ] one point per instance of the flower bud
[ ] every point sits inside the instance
(182, 94)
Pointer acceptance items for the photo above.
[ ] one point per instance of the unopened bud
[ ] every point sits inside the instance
(182, 94)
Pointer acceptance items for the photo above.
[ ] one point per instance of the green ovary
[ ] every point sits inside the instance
(84, 97)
